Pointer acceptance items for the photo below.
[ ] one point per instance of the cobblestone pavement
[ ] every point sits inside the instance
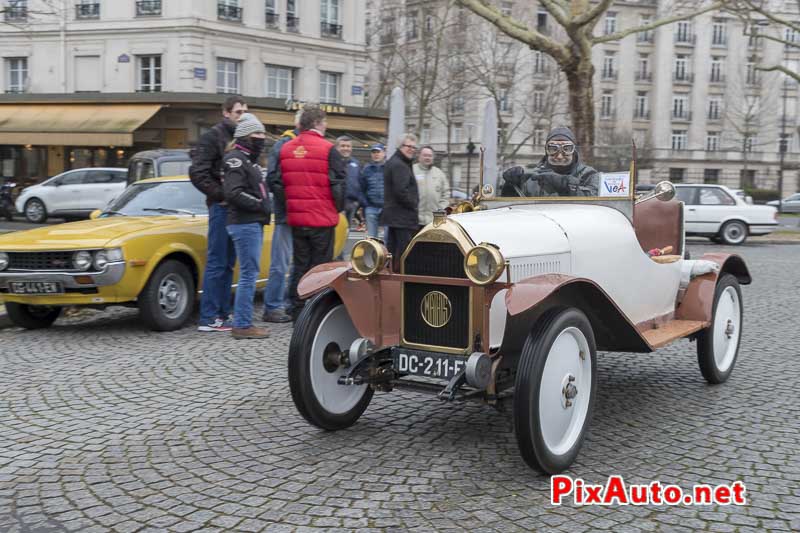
(104, 426)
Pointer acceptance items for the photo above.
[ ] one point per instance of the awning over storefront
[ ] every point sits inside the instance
(335, 122)
(73, 124)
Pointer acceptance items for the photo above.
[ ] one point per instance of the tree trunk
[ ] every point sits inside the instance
(580, 83)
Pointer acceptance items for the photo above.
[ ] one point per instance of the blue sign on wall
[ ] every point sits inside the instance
(200, 73)
(357, 90)
(124, 58)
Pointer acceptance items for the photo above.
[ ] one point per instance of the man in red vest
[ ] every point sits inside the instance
(311, 179)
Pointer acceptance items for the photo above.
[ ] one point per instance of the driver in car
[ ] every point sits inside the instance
(559, 173)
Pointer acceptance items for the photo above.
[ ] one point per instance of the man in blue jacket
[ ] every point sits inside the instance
(371, 183)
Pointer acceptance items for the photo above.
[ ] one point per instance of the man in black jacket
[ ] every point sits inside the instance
(206, 175)
(400, 199)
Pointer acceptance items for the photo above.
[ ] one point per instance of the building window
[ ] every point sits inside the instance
(676, 175)
(87, 9)
(683, 32)
(714, 108)
(504, 101)
(329, 87)
(679, 139)
(505, 8)
(609, 66)
(680, 106)
(747, 178)
(16, 74)
(538, 101)
(607, 105)
(784, 142)
(292, 20)
(411, 25)
(712, 141)
(539, 63)
(280, 82)
(16, 11)
(228, 75)
(752, 77)
(329, 15)
(149, 74)
(271, 13)
(229, 10)
(716, 70)
(538, 137)
(681, 68)
(749, 142)
(425, 134)
(643, 68)
(711, 175)
(458, 133)
(645, 36)
(790, 36)
(718, 33)
(642, 109)
(148, 8)
(611, 23)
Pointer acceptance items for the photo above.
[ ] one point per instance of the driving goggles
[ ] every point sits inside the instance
(566, 149)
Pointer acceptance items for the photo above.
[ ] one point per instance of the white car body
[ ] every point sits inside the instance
(791, 204)
(75, 192)
(710, 209)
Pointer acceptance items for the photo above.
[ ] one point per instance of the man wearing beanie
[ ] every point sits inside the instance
(245, 189)
(206, 175)
(559, 173)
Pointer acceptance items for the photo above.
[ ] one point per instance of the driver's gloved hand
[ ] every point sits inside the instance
(515, 175)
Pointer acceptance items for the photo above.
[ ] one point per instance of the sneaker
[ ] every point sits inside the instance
(217, 325)
(276, 315)
(250, 333)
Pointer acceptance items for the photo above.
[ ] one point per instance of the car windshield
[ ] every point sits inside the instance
(530, 183)
(159, 198)
(174, 168)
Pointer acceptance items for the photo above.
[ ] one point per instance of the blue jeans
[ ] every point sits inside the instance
(280, 259)
(248, 239)
(373, 216)
(218, 276)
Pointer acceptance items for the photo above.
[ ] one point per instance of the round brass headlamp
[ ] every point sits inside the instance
(484, 264)
(368, 256)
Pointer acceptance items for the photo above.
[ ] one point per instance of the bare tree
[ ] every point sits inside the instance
(571, 47)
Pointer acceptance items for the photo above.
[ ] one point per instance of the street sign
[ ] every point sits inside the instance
(124, 58)
(200, 73)
(357, 90)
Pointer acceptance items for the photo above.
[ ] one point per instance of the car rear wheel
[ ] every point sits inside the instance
(35, 211)
(718, 345)
(32, 316)
(324, 328)
(555, 390)
(166, 302)
(733, 232)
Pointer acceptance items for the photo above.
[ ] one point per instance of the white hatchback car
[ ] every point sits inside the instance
(715, 211)
(75, 193)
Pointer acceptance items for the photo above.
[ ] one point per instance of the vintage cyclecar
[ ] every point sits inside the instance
(511, 300)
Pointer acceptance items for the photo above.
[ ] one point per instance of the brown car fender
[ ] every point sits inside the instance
(373, 304)
(698, 301)
(528, 299)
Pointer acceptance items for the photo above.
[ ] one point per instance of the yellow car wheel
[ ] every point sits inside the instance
(166, 302)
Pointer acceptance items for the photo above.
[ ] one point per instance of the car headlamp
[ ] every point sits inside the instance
(3, 260)
(104, 257)
(484, 264)
(368, 256)
(82, 260)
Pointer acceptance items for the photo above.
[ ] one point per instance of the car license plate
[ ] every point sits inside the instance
(35, 287)
(428, 364)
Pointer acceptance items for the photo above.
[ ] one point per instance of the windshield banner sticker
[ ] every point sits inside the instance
(615, 184)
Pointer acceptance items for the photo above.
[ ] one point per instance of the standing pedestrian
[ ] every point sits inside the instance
(311, 178)
(432, 184)
(400, 199)
(245, 189)
(371, 183)
(275, 302)
(206, 175)
(353, 196)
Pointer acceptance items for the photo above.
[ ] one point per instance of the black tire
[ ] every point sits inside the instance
(167, 300)
(529, 379)
(733, 232)
(714, 371)
(37, 216)
(32, 316)
(300, 372)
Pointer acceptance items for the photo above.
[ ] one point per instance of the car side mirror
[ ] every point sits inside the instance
(664, 191)
(95, 214)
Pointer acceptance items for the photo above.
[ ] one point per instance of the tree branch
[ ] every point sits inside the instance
(588, 17)
(661, 22)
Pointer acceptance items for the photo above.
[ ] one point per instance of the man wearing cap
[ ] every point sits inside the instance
(371, 181)
(559, 173)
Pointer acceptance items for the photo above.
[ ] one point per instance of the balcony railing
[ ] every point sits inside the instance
(148, 8)
(541, 71)
(607, 115)
(292, 23)
(755, 43)
(87, 11)
(645, 37)
(643, 76)
(640, 114)
(719, 78)
(683, 115)
(753, 81)
(683, 77)
(328, 29)
(273, 19)
(714, 115)
(16, 14)
(720, 42)
(608, 74)
(687, 39)
(229, 13)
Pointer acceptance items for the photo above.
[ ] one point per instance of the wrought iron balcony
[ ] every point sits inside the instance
(273, 19)
(719, 42)
(643, 76)
(608, 74)
(292, 23)
(328, 29)
(719, 78)
(229, 13)
(686, 39)
(148, 8)
(645, 37)
(683, 77)
(641, 114)
(681, 115)
(87, 11)
(714, 115)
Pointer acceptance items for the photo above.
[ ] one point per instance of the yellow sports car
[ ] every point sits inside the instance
(148, 249)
